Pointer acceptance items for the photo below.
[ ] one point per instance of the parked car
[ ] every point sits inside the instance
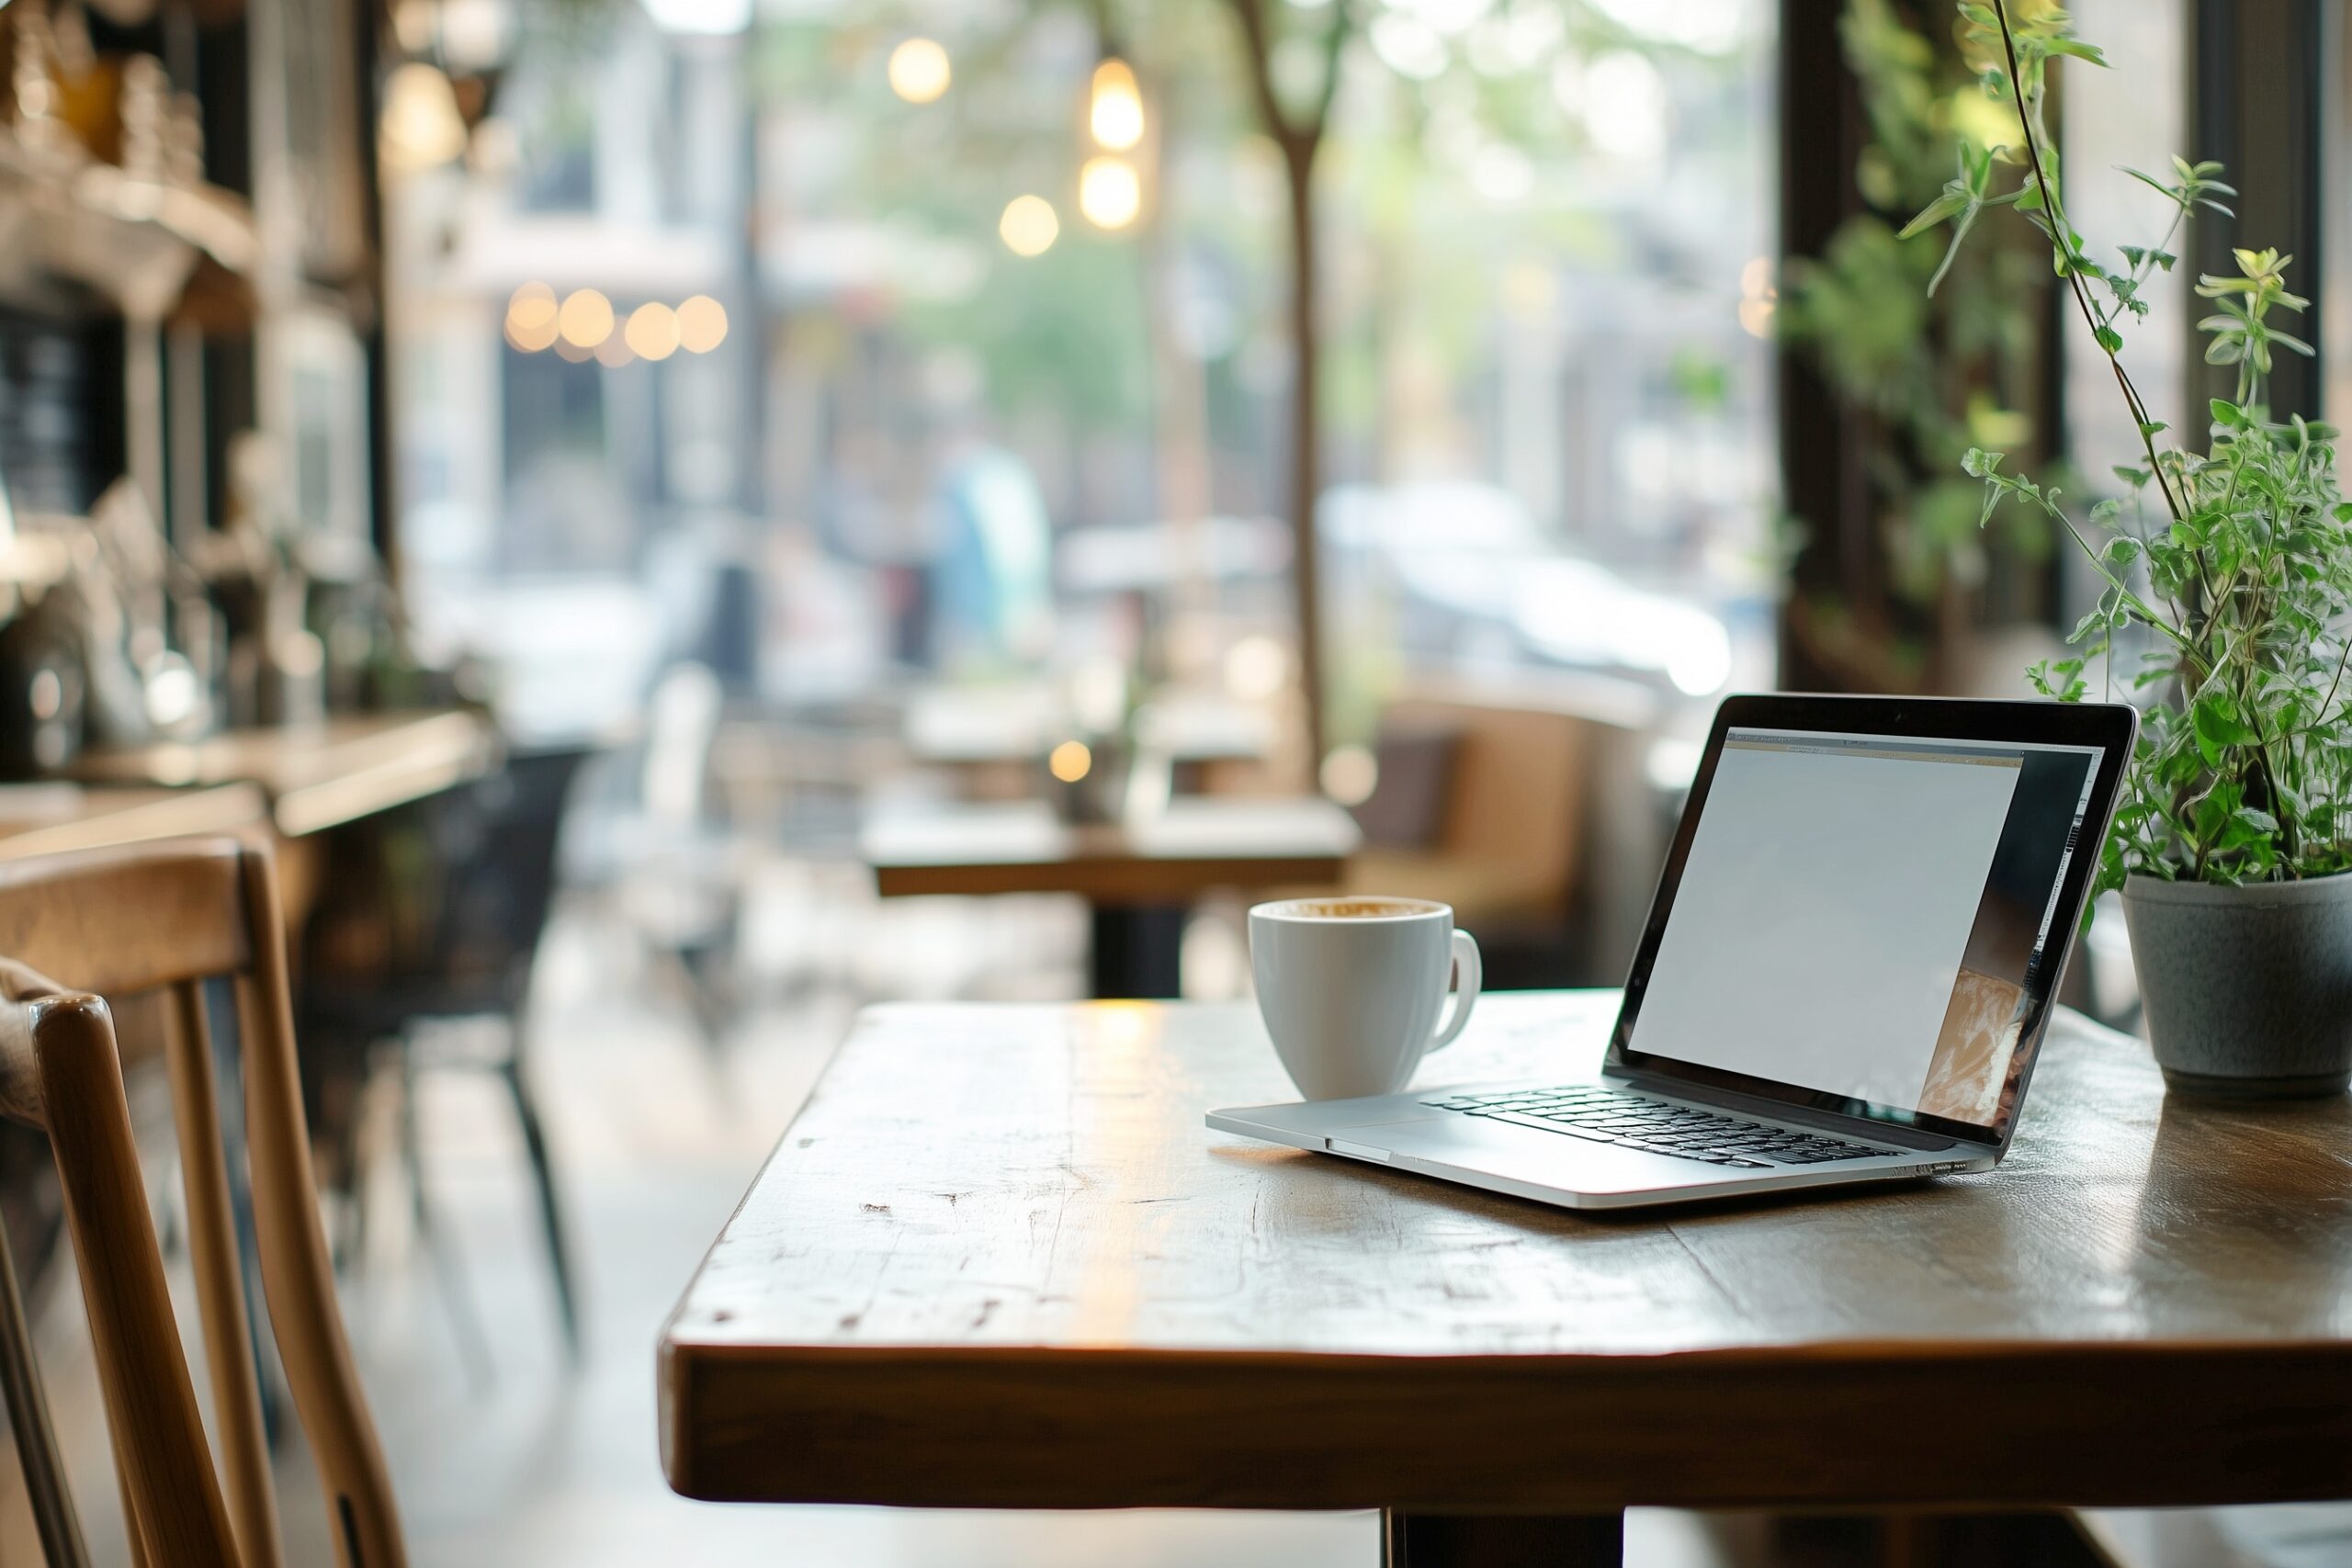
(1468, 571)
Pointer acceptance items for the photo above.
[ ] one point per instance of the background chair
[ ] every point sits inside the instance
(168, 917)
(1483, 803)
(441, 923)
(670, 867)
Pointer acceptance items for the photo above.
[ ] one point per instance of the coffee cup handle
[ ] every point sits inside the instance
(1468, 974)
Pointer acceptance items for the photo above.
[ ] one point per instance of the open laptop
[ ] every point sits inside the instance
(1850, 960)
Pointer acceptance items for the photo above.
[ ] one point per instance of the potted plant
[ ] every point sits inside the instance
(2227, 576)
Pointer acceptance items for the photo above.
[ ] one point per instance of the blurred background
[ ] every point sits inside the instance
(688, 517)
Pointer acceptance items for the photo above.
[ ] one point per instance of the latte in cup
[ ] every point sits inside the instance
(1352, 988)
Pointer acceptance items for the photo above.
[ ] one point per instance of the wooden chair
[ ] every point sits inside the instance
(171, 916)
(1508, 827)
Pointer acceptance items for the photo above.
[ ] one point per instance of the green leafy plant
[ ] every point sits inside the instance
(2226, 572)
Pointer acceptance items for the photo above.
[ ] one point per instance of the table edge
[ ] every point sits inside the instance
(1143, 879)
(2115, 1423)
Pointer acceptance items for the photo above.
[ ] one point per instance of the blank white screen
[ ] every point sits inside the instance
(1822, 917)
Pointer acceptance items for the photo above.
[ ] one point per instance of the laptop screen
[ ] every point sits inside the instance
(1874, 919)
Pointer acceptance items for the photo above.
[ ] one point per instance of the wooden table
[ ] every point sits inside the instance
(313, 777)
(316, 776)
(52, 818)
(998, 1262)
(1138, 876)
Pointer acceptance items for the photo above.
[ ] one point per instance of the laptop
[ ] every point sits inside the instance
(1849, 963)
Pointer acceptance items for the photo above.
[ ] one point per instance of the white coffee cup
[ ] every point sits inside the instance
(1350, 988)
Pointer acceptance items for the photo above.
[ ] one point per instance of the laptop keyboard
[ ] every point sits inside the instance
(1657, 1126)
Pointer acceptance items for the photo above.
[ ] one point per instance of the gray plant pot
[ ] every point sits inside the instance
(2247, 990)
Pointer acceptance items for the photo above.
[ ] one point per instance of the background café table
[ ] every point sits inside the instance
(995, 739)
(311, 778)
(57, 818)
(998, 1262)
(316, 776)
(1138, 876)
(1019, 724)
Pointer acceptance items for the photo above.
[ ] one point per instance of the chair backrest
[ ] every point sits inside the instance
(169, 916)
(499, 884)
(485, 888)
(1514, 805)
(682, 718)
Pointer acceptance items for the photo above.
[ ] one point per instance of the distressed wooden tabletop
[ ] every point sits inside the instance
(998, 1261)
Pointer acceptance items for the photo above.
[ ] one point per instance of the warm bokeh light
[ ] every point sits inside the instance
(652, 331)
(1115, 112)
(919, 70)
(413, 24)
(702, 324)
(420, 126)
(533, 306)
(1109, 193)
(615, 352)
(1029, 226)
(1070, 761)
(565, 349)
(585, 319)
(531, 318)
(531, 339)
(1350, 774)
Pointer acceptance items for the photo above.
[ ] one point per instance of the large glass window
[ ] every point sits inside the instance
(979, 340)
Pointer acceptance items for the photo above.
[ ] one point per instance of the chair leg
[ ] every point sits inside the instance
(1474, 1541)
(349, 1247)
(696, 975)
(534, 1142)
(671, 967)
(448, 1267)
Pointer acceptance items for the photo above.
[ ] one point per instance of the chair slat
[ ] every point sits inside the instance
(220, 1282)
(297, 1273)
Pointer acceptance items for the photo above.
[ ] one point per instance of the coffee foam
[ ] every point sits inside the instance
(1354, 909)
